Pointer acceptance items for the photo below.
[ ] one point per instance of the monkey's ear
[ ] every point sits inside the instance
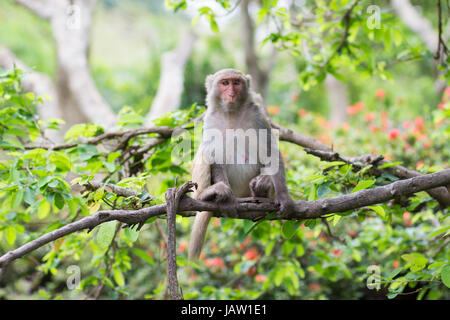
(209, 82)
(249, 80)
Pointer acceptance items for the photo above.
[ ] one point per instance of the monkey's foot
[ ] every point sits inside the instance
(286, 207)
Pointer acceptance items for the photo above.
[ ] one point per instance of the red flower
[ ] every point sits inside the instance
(345, 126)
(419, 123)
(216, 222)
(396, 264)
(302, 112)
(407, 124)
(370, 116)
(215, 262)
(407, 219)
(260, 278)
(251, 254)
(337, 252)
(393, 133)
(352, 233)
(447, 91)
(314, 287)
(359, 105)
(373, 128)
(380, 93)
(245, 243)
(273, 110)
(182, 246)
(351, 110)
(406, 215)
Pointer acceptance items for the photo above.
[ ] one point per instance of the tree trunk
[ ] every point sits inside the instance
(337, 99)
(422, 27)
(259, 75)
(74, 97)
(171, 81)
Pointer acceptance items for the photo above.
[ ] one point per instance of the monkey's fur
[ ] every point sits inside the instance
(224, 181)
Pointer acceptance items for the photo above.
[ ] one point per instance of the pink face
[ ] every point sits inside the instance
(230, 88)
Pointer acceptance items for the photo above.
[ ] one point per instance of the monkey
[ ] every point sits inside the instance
(224, 170)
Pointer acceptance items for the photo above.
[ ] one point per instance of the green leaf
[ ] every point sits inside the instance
(326, 165)
(323, 190)
(289, 228)
(118, 277)
(106, 234)
(18, 198)
(143, 255)
(131, 234)
(61, 161)
(10, 234)
(59, 201)
(43, 209)
(416, 261)
(363, 184)
(445, 275)
(379, 210)
(439, 231)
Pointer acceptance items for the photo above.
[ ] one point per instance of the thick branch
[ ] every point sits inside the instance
(441, 194)
(247, 208)
(324, 152)
(299, 139)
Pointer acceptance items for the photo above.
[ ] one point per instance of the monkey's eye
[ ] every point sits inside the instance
(236, 82)
(225, 82)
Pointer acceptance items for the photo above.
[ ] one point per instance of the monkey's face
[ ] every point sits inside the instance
(232, 90)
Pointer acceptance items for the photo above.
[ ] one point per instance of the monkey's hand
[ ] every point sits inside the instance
(286, 205)
(220, 192)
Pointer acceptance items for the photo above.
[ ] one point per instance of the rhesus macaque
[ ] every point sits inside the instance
(238, 155)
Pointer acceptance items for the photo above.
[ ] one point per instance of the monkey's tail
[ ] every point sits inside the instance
(198, 234)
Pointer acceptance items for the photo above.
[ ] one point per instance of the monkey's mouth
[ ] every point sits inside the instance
(231, 98)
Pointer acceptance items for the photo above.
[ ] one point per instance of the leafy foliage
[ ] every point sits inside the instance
(407, 239)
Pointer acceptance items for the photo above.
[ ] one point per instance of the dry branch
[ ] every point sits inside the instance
(173, 197)
(247, 208)
(326, 153)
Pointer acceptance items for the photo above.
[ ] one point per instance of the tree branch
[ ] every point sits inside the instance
(343, 43)
(247, 208)
(326, 153)
(120, 191)
(173, 197)
(124, 136)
